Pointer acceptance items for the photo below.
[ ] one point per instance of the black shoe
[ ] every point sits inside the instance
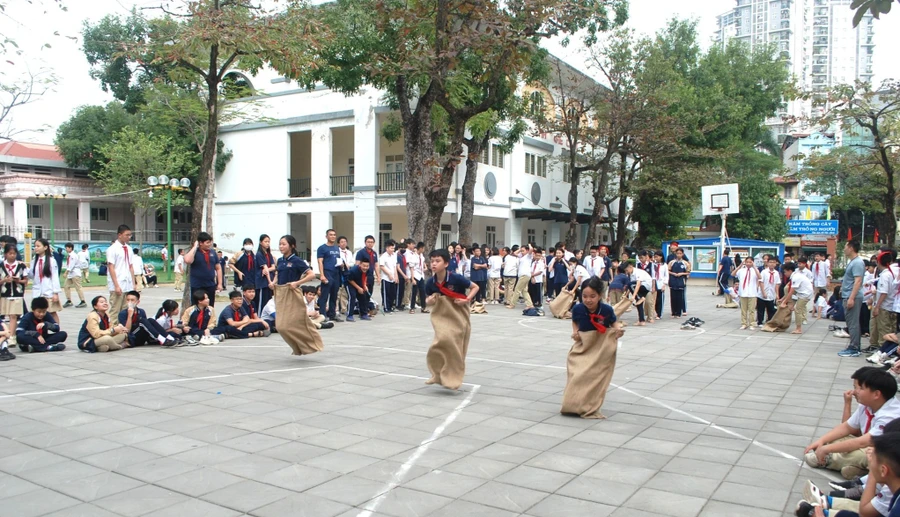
(67, 304)
(81, 305)
(327, 325)
(56, 348)
(6, 355)
(872, 348)
(337, 319)
(804, 509)
(844, 485)
(25, 348)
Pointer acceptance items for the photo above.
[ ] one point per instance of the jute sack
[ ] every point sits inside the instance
(590, 367)
(447, 355)
(294, 325)
(780, 321)
(560, 305)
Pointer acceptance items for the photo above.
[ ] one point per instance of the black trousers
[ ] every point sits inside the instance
(641, 293)
(389, 294)
(356, 298)
(401, 287)
(864, 314)
(764, 308)
(677, 296)
(328, 299)
(36, 346)
(235, 333)
(482, 287)
(660, 299)
(534, 290)
(147, 333)
(418, 289)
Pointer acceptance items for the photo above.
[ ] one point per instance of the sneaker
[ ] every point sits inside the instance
(67, 304)
(6, 355)
(56, 348)
(688, 326)
(191, 340)
(804, 509)
(853, 493)
(365, 317)
(81, 305)
(25, 348)
(812, 494)
(267, 332)
(871, 348)
(849, 352)
(850, 472)
(350, 319)
(875, 358)
(841, 333)
(337, 319)
(327, 325)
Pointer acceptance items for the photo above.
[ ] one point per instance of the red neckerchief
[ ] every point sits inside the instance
(206, 256)
(252, 312)
(134, 317)
(771, 277)
(371, 255)
(442, 287)
(40, 270)
(200, 319)
(268, 256)
(11, 268)
(747, 279)
(599, 322)
(869, 416)
(127, 260)
(250, 261)
(105, 320)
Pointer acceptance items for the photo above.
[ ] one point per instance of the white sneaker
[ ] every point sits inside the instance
(876, 358)
(841, 333)
(743, 327)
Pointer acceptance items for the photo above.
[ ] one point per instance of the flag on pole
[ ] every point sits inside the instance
(829, 213)
(808, 214)
(788, 212)
(876, 236)
(849, 234)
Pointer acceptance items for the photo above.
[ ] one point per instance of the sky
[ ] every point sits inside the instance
(41, 22)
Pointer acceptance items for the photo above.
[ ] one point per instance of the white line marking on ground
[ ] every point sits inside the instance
(400, 474)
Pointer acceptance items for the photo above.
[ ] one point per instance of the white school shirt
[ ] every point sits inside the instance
(808, 274)
(137, 264)
(748, 282)
(85, 257)
(510, 265)
(179, 264)
(594, 265)
(43, 285)
(868, 286)
(644, 277)
(821, 271)
(770, 280)
(873, 423)
(801, 285)
(495, 264)
(388, 261)
(268, 312)
(662, 276)
(414, 264)
(822, 306)
(525, 264)
(567, 255)
(167, 322)
(580, 274)
(120, 256)
(74, 265)
(885, 285)
(347, 258)
(539, 267)
(465, 267)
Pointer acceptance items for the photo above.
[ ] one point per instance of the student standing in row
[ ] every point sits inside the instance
(510, 275)
(328, 256)
(74, 267)
(206, 271)
(748, 285)
(536, 286)
(120, 275)
(266, 264)
(244, 264)
(13, 279)
(179, 270)
(768, 293)
(388, 265)
(495, 267)
(662, 282)
(678, 273)
(523, 266)
(44, 274)
(479, 274)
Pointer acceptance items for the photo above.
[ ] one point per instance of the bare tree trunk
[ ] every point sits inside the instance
(622, 212)
(467, 202)
(211, 189)
(572, 231)
(601, 182)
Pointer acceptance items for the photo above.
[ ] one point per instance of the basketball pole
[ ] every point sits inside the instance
(724, 217)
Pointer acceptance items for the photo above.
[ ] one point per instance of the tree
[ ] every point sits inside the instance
(876, 7)
(81, 138)
(19, 92)
(427, 54)
(762, 215)
(133, 156)
(862, 110)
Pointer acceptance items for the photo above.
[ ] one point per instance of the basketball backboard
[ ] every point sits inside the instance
(720, 199)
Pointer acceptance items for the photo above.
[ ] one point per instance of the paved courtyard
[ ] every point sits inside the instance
(709, 422)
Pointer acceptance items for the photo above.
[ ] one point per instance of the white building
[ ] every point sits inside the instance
(83, 214)
(815, 37)
(319, 161)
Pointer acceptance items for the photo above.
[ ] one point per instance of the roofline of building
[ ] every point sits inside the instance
(58, 164)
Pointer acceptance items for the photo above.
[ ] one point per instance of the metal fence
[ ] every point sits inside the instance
(341, 185)
(299, 187)
(391, 181)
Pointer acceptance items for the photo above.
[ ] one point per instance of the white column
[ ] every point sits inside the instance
(84, 220)
(20, 218)
(319, 224)
(366, 219)
(513, 231)
(553, 236)
(320, 162)
(366, 159)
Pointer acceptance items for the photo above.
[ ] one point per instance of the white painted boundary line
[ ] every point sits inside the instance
(400, 474)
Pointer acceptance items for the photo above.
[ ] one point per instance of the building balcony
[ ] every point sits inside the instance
(341, 185)
(299, 187)
(392, 181)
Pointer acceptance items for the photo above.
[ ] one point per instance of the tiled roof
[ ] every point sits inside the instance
(30, 150)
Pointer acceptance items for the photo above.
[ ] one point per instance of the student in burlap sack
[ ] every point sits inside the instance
(446, 293)
(592, 358)
(295, 327)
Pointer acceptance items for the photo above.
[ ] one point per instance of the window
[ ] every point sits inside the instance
(789, 192)
(483, 156)
(384, 233)
(536, 165)
(350, 167)
(537, 104)
(542, 167)
(529, 163)
(99, 214)
(496, 156)
(567, 173)
(79, 173)
(19, 169)
(445, 235)
(544, 240)
(43, 170)
(393, 163)
(35, 211)
(490, 236)
(530, 236)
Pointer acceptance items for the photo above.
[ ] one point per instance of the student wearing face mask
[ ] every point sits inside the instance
(244, 264)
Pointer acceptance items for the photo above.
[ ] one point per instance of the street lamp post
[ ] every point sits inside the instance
(168, 184)
(52, 193)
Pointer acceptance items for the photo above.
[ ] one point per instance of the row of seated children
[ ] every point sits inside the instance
(847, 448)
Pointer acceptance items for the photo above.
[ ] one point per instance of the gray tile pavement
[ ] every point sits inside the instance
(703, 423)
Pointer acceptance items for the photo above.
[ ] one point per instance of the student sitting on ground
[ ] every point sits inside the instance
(836, 306)
(309, 291)
(820, 304)
(843, 448)
(140, 329)
(235, 321)
(199, 320)
(5, 354)
(268, 314)
(38, 331)
(249, 305)
(97, 334)
(150, 279)
(167, 317)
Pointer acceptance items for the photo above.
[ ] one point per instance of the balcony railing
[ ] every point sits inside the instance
(391, 181)
(341, 185)
(299, 187)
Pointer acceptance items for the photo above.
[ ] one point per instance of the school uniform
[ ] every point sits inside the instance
(169, 324)
(291, 269)
(27, 334)
(118, 258)
(453, 266)
(595, 266)
(345, 263)
(510, 277)
(585, 320)
(263, 291)
(196, 321)
(495, 266)
(802, 288)
(179, 272)
(726, 267)
(223, 264)
(268, 314)
(402, 267)
(748, 290)
(141, 329)
(886, 321)
(388, 265)
(12, 294)
(96, 335)
(480, 277)
(677, 286)
(617, 288)
(203, 274)
(44, 285)
(821, 271)
(662, 283)
(417, 278)
(330, 256)
(137, 269)
(370, 256)
(454, 282)
(642, 276)
(236, 315)
(865, 311)
(579, 277)
(523, 282)
(559, 272)
(358, 301)
(74, 267)
(765, 304)
(246, 264)
(535, 288)
(85, 257)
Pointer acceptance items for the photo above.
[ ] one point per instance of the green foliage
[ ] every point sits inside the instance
(876, 7)
(848, 179)
(79, 139)
(762, 215)
(134, 156)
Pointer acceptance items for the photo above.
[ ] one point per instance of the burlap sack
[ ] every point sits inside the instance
(561, 305)
(780, 321)
(589, 371)
(447, 355)
(294, 326)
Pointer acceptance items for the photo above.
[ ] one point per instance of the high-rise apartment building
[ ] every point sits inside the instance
(816, 38)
